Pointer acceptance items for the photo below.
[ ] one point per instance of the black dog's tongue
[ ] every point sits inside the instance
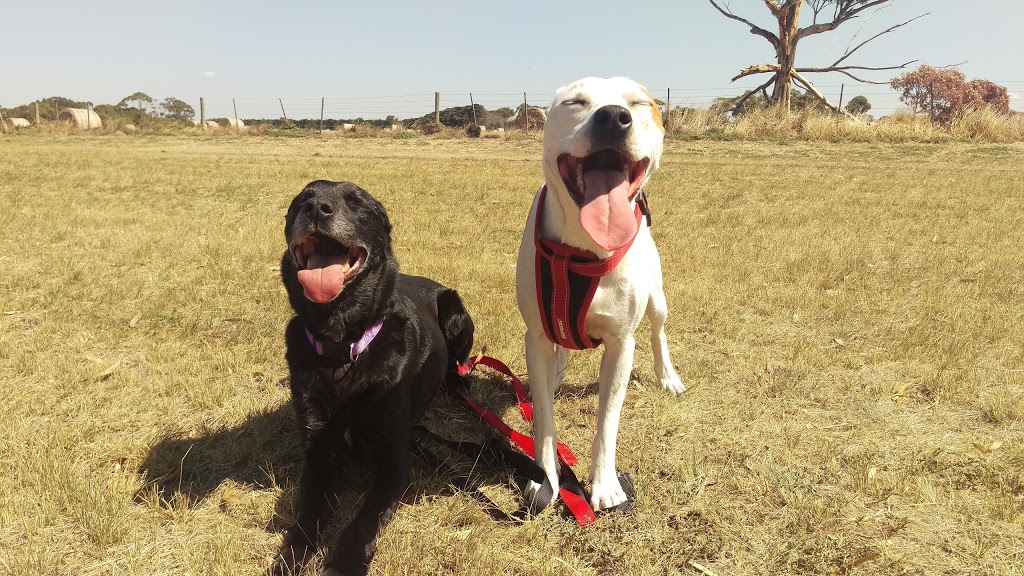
(324, 277)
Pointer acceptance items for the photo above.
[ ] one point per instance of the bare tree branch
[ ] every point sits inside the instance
(821, 97)
(863, 23)
(754, 29)
(763, 88)
(886, 31)
(845, 11)
(816, 7)
(859, 79)
(756, 69)
(841, 68)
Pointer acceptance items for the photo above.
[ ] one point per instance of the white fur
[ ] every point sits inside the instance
(631, 290)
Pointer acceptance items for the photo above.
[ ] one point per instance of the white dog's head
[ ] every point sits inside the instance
(602, 140)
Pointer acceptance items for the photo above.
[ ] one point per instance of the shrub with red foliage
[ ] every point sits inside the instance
(945, 93)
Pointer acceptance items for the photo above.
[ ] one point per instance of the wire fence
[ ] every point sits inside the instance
(884, 101)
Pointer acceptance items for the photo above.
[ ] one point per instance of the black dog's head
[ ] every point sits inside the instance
(338, 269)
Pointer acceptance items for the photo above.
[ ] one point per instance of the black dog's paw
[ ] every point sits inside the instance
(328, 571)
(357, 570)
(350, 559)
(290, 560)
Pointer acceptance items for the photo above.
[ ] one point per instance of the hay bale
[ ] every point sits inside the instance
(231, 123)
(82, 117)
(212, 124)
(538, 117)
(19, 122)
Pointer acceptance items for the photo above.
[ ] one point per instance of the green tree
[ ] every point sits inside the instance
(858, 105)
(177, 109)
(139, 100)
(738, 108)
(48, 108)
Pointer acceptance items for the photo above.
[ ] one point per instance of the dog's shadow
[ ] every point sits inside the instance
(263, 452)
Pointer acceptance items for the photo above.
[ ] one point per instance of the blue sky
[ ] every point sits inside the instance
(371, 59)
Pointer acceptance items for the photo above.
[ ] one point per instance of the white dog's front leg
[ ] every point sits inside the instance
(561, 363)
(657, 313)
(540, 366)
(616, 365)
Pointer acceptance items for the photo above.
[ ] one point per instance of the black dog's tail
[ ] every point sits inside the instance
(457, 327)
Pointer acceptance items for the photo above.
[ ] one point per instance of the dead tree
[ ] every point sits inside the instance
(784, 72)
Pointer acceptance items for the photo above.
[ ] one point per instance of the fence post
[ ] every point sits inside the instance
(235, 106)
(526, 115)
(842, 87)
(282, 109)
(88, 116)
(437, 108)
(3, 123)
(668, 108)
(321, 116)
(931, 103)
(473, 108)
(37, 113)
(202, 112)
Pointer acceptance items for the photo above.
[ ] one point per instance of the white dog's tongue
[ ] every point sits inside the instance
(323, 278)
(606, 215)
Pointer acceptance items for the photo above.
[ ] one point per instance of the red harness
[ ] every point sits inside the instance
(567, 280)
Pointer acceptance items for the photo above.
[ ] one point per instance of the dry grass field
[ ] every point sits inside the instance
(849, 319)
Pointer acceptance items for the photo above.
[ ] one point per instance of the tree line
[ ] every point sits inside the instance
(137, 108)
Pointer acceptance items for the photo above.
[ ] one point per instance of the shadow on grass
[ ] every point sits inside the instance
(259, 451)
(263, 451)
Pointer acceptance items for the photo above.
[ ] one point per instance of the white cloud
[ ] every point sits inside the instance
(207, 73)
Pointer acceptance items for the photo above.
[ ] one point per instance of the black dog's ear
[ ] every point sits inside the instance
(385, 220)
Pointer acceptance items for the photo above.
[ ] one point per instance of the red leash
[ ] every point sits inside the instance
(570, 490)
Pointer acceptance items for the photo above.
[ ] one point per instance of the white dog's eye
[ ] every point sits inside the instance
(641, 103)
(574, 102)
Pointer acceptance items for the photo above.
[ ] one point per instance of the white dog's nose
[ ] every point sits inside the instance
(613, 118)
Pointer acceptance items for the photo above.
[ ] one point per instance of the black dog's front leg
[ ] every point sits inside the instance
(317, 479)
(314, 510)
(358, 541)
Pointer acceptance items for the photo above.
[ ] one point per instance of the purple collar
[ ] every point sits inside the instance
(350, 349)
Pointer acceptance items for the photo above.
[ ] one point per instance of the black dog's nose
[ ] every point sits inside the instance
(613, 118)
(321, 206)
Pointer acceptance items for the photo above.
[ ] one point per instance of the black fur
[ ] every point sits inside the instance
(379, 398)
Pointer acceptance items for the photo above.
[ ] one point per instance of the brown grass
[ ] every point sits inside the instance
(848, 319)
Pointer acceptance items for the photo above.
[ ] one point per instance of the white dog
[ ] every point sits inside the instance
(602, 141)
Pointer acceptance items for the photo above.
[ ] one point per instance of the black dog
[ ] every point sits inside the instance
(367, 350)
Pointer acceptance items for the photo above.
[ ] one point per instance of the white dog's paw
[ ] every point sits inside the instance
(673, 384)
(536, 495)
(606, 493)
